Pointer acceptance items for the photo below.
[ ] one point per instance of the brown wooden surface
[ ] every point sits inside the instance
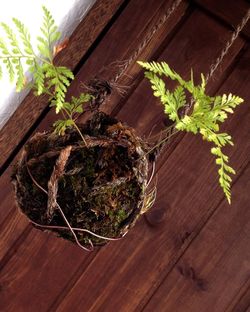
(229, 11)
(192, 251)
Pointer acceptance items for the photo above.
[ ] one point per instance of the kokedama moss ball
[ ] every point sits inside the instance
(100, 186)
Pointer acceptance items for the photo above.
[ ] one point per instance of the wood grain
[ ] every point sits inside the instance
(80, 41)
(241, 301)
(41, 272)
(44, 273)
(230, 11)
(188, 50)
(216, 264)
(124, 277)
(123, 40)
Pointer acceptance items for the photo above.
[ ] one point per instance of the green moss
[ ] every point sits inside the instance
(98, 191)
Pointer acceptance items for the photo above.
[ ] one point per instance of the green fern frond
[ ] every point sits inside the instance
(60, 126)
(76, 104)
(39, 78)
(13, 41)
(224, 171)
(180, 97)
(16, 50)
(10, 69)
(58, 78)
(206, 113)
(20, 76)
(24, 35)
(223, 105)
(161, 68)
(157, 84)
(13, 58)
(50, 35)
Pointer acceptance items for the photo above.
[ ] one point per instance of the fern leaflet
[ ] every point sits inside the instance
(207, 113)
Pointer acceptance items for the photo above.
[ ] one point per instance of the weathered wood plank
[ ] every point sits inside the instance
(230, 11)
(217, 263)
(125, 276)
(39, 271)
(80, 41)
(121, 43)
(241, 302)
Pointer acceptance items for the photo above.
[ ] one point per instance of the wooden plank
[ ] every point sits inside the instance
(80, 42)
(230, 11)
(134, 270)
(142, 111)
(216, 264)
(38, 272)
(241, 302)
(121, 43)
(14, 229)
(186, 50)
(124, 276)
(30, 246)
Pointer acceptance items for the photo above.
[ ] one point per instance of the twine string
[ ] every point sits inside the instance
(145, 42)
(223, 53)
(229, 43)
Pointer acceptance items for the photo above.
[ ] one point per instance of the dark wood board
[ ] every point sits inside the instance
(122, 41)
(229, 11)
(207, 281)
(138, 267)
(241, 301)
(189, 49)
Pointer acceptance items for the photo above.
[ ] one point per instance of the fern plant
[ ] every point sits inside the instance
(205, 117)
(48, 78)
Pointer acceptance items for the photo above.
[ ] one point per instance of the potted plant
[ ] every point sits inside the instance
(89, 182)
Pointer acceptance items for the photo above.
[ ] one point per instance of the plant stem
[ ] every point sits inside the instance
(162, 141)
(75, 125)
(79, 131)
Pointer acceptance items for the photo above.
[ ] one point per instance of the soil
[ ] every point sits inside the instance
(100, 188)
